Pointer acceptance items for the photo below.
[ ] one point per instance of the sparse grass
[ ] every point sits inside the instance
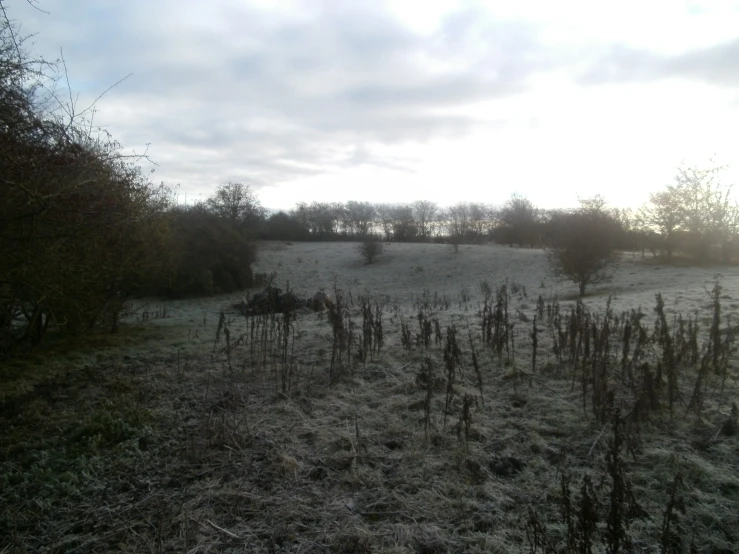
(182, 447)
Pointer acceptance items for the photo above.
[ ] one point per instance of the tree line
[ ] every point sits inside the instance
(696, 217)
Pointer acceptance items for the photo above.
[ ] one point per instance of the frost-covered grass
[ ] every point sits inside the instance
(168, 440)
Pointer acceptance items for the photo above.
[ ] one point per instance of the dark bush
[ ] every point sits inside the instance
(370, 248)
(519, 222)
(282, 226)
(582, 247)
(208, 254)
(81, 227)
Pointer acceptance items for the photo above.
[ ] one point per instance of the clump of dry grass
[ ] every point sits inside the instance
(342, 328)
(428, 375)
(452, 355)
(497, 329)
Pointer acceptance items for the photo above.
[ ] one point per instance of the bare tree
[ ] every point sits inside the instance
(237, 203)
(457, 220)
(519, 221)
(593, 205)
(358, 217)
(694, 213)
(384, 219)
(706, 207)
(664, 214)
(481, 219)
(322, 219)
(404, 225)
(424, 212)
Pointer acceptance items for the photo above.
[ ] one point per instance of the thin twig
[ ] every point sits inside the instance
(221, 529)
(596, 440)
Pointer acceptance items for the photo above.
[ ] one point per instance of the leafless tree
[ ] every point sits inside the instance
(694, 213)
(239, 204)
(665, 215)
(519, 221)
(424, 212)
(358, 217)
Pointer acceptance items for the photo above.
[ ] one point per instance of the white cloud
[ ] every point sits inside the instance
(391, 101)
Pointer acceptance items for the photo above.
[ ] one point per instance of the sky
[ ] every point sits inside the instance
(403, 100)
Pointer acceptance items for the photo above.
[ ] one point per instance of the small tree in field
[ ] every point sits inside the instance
(583, 247)
(370, 248)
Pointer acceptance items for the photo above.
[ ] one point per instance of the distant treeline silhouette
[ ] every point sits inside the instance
(696, 217)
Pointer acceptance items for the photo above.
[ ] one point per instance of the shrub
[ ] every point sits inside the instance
(208, 254)
(282, 226)
(81, 227)
(370, 248)
(582, 247)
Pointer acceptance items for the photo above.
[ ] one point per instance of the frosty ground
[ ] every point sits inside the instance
(172, 438)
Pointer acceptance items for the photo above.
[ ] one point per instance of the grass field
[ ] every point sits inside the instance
(418, 418)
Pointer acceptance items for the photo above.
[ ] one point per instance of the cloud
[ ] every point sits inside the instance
(301, 94)
(621, 64)
(715, 65)
(274, 95)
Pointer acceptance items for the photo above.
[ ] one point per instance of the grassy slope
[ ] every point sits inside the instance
(159, 446)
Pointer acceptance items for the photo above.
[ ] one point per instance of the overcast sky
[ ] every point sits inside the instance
(407, 99)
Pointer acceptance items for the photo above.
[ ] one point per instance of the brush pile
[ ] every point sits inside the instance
(272, 300)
